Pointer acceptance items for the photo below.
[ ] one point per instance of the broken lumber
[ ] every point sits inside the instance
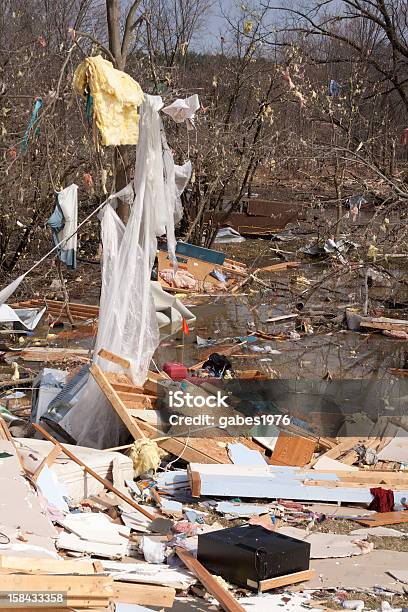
(224, 597)
(38, 353)
(280, 581)
(384, 323)
(143, 594)
(81, 591)
(90, 471)
(28, 565)
(284, 265)
(282, 482)
(380, 519)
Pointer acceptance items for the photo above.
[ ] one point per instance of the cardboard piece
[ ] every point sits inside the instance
(353, 573)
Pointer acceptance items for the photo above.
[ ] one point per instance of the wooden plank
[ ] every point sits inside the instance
(345, 444)
(384, 323)
(91, 587)
(277, 482)
(53, 354)
(30, 565)
(224, 597)
(280, 581)
(380, 519)
(189, 450)
(123, 387)
(340, 484)
(284, 265)
(140, 400)
(279, 318)
(143, 594)
(90, 471)
(292, 450)
(116, 402)
(6, 435)
(121, 361)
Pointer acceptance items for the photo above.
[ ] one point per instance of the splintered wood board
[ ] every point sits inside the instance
(280, 482)
(80, 312)
(226, 600)
(144, 594)
(292, 450)
(210, 449)
(284, 265)
(381, 519)
(29, 565)
(195, 449)
(280, 581)
(385, 323)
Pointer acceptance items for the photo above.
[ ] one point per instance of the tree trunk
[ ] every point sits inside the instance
(121, 152)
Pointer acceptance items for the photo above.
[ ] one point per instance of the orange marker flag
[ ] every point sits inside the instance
(185, 328)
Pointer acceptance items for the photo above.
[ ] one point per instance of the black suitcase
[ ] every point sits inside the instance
(248, 554)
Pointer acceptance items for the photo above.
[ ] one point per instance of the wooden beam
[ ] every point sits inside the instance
(143, 594)
(90, 471)
(90, 587)
(30, 565)
(280, 581)
(284, 265)
(226, 600)
(121, 361)
(113, 397)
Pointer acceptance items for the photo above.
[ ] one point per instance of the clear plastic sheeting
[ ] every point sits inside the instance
(127, 323)
(10, 289)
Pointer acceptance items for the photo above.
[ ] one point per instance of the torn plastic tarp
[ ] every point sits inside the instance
(183, 110)
(227, 235)
(22, 318)
(10, 289)
(127, 321)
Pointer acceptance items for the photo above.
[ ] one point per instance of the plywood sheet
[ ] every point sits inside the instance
(292, 450)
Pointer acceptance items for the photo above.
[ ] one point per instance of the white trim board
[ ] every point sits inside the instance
(275, 482)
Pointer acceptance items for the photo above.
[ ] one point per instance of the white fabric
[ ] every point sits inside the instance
(127, 321)
(182, 176)
(10, 289)
(68, 201)
(183, 110)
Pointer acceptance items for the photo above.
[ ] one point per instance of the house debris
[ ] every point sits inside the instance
(147, 477)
